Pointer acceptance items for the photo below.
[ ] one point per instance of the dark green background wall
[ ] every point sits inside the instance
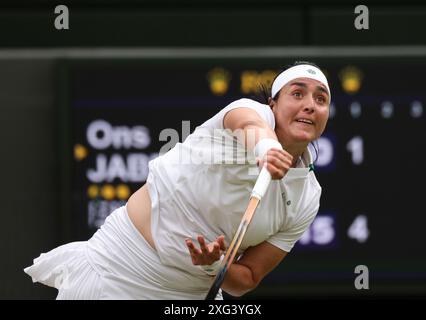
(210, 23)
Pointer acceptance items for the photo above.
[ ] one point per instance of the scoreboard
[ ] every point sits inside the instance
(118, 114)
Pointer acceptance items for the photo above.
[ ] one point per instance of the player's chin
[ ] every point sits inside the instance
(305, 136)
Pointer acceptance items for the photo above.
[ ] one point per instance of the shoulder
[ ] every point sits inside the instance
(249, 103)
(263, 110)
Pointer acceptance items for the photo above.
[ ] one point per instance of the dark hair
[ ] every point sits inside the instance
(264, 93)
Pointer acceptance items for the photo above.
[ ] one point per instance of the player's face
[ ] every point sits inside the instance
(301, 111)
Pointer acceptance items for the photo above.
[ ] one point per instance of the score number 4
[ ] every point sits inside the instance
(322, 231)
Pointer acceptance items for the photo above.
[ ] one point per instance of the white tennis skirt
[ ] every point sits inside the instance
(116, 263)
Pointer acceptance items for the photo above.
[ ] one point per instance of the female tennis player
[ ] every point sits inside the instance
(199, 190)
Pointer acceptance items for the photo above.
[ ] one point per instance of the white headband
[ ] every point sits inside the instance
(299, 71)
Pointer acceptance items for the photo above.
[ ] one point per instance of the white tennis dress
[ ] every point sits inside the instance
(201, 186)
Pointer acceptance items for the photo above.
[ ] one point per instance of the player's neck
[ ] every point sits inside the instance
(296, 152)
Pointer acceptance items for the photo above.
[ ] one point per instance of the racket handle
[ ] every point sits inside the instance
(262, 184)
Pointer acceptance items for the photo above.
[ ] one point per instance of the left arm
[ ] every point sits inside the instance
(245, 274)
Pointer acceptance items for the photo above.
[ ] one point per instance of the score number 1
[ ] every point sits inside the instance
(355, 146)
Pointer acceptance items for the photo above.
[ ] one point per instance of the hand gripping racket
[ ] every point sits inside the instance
(258, 192)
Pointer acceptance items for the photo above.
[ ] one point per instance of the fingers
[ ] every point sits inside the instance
(280, 157)
(211, 251)
(192, 248)
(278, 162)
(221, 241)
(193, 251)
(277, 156)
(203, 245)
(275, 171)
(207, 254)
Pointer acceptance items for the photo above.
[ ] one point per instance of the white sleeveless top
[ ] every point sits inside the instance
(202, 186)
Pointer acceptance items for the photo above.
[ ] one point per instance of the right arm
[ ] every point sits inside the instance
(249, 128)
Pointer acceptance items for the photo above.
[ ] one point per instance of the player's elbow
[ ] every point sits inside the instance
(240, 291)
(245, 283)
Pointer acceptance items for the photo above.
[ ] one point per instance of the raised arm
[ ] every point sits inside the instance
(255, 133)
(248, 126)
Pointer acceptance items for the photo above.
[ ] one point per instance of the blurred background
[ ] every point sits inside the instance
(82, 111)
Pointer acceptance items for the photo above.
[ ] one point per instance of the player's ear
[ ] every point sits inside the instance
(271, 103)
